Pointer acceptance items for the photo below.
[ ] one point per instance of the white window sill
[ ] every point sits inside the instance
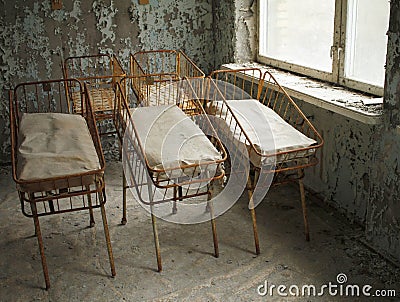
(357, 106)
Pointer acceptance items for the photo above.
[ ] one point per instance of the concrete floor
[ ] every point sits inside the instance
(79, 268)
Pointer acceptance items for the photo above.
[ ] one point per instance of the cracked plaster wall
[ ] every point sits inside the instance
(245, 39)
(343, 176)
(383, 217)
(34, 39)
(224, 31)
(235, 31)
(359, 172)
(360, 165)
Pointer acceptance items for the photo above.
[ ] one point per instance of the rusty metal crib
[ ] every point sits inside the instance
(163, 180)
(57, 160)
(101, 72)
(155, 69)
(248, 90)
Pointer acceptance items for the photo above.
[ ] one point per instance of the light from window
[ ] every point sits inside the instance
(298, 32)
(340, 41)
(366, 40)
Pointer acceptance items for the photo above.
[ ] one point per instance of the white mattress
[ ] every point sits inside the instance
(171, 139)
(267, 131)
(54, 145)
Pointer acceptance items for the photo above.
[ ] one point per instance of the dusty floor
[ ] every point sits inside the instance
(79, 268)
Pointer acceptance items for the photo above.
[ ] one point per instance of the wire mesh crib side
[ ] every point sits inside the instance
(191, 177)
(32, 105)
(274, 96)
(238, 84)
(101, 72)
(172, 63)
(251, 83)
(57, 160)
(157, 69)
(89, 68)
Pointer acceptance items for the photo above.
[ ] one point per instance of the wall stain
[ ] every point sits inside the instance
(360, 174)
(104, 15)
(35, 40)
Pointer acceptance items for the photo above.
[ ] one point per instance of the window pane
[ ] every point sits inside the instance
(299, 32)
(366, 40)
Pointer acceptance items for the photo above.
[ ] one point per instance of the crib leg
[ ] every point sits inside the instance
(91, 222)
(31, 197)
(213, 226)
(106, 231)
(174, 208)
(124, 187)
(304, 205)
(256, 240)
(156, 241)
(51, 206)
(120, 152)
(250, 188)
(40, 242)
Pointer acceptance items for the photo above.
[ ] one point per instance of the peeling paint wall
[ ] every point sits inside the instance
(392, 81)
(34, 39)
(224, 32)
(175, 24)
(245, 31)
(359, 172)
(343, 176)
(383, 217)
(235, 31)
(360, 165)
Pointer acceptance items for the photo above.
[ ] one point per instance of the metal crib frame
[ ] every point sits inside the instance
(58, 194)
(101, 72)
(147, 178)
(264, 88)
(156, 68)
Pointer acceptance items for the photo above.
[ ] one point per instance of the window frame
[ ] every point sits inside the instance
(337, 76)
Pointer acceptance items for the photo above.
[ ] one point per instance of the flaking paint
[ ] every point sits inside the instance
(34, 39)
(359, 172)
(360, 166)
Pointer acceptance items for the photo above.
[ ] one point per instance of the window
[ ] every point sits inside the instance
(342, 41)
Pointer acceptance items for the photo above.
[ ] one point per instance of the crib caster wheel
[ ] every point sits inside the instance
(91, 224)
(123, 221)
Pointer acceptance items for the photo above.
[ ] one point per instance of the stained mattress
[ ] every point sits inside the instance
(266, 130)
(53, 148)
(171, 139)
